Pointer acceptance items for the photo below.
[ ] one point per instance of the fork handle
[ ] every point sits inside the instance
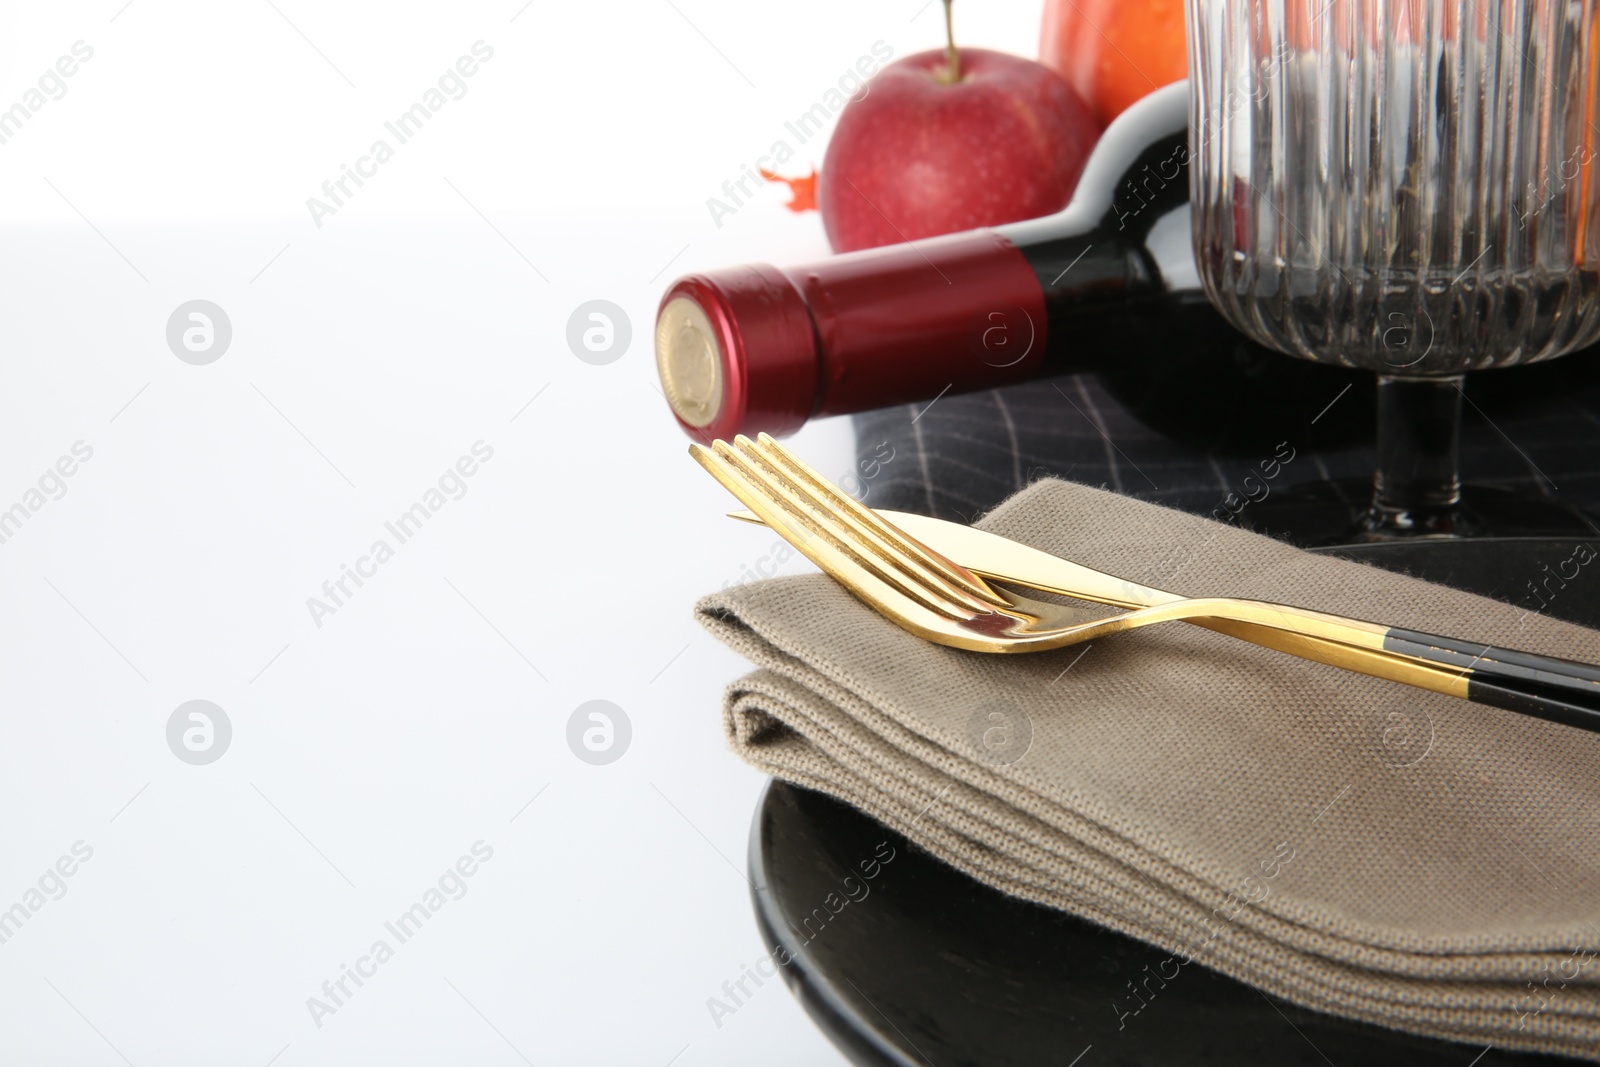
(1542, 686)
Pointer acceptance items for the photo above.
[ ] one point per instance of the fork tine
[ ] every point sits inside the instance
(899, 546)
(820, 522)
(817, 542)
(899, 570)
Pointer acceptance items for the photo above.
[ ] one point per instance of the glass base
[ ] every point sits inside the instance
(1324, 514)
(1389, 523)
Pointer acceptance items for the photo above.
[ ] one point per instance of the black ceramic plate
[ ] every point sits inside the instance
(931, 967)
(1500, 567)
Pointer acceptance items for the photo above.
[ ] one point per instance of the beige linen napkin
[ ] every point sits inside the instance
(1352, 845)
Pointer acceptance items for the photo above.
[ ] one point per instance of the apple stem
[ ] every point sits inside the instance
(952, 57)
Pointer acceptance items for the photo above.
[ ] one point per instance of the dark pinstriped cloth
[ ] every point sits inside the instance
(1533, 430)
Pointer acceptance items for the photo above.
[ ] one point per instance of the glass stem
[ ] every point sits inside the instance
(1417, 488)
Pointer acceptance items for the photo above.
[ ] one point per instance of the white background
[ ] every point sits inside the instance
(367, 355)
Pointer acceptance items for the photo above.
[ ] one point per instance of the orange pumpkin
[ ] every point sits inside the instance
(1114, 51)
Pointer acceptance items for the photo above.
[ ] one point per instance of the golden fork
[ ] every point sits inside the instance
(997, 558)
(936, 598)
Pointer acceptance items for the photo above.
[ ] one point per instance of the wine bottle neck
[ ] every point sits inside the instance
(1128, 226)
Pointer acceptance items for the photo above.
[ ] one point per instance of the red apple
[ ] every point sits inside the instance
(920, 154)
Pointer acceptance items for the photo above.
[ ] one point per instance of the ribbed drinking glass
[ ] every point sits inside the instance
(1404, 186)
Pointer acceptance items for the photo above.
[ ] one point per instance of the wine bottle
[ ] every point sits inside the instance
(1109, 279)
